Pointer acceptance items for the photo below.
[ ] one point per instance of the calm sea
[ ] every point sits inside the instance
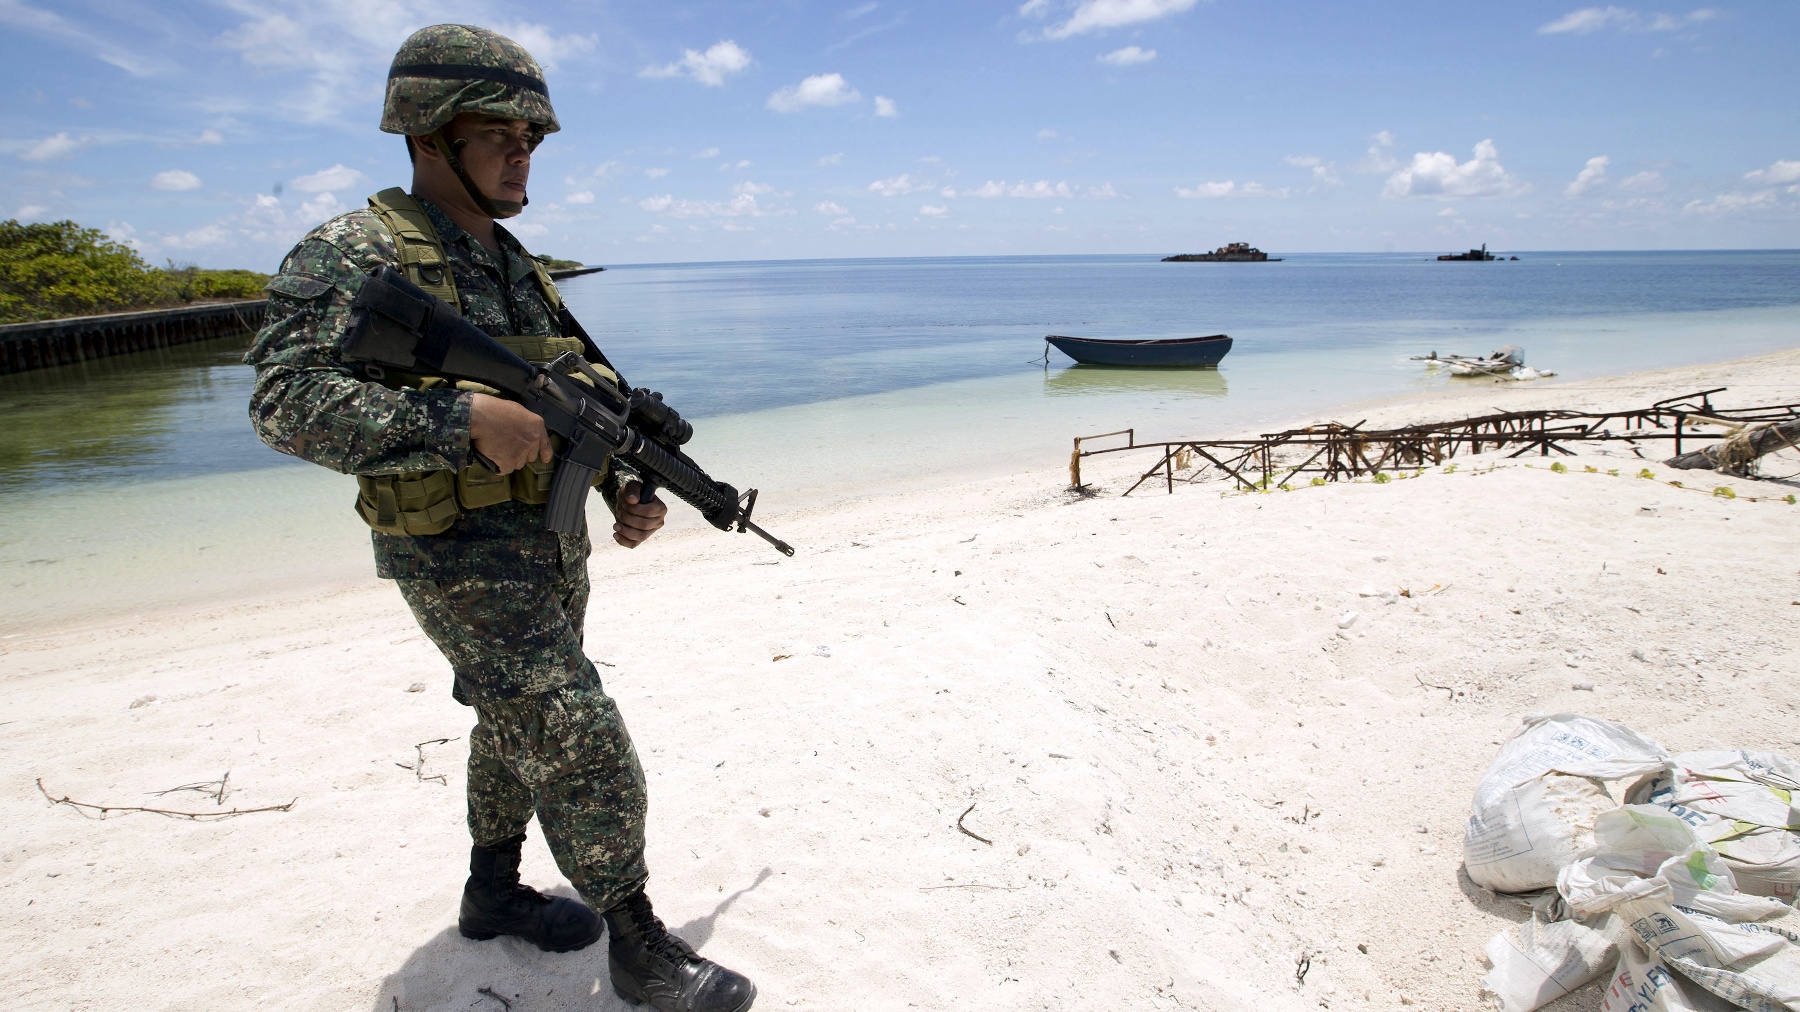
(136, 481)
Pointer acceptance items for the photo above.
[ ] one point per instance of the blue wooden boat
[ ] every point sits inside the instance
(1166, 351)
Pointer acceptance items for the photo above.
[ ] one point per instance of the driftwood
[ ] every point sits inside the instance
(1735, 454)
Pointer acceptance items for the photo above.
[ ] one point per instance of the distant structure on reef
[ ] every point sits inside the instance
(1474, 254)
(1237, 252)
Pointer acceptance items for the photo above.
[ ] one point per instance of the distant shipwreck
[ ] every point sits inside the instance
(1474, 254)
(1237, 252)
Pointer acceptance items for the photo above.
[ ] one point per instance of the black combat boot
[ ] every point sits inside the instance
(495, 903)
(650, 965)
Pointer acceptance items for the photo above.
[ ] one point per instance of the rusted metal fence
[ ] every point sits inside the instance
(1332, 450)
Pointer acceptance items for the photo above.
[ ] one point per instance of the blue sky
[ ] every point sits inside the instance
(217, 133)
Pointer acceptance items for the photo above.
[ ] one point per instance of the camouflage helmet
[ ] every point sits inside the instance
(444, 70)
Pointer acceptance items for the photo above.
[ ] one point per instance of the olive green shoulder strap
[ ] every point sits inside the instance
(416, 240)
(551, 295)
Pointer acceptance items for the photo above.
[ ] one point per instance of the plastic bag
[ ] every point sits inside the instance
(1543, 960)
(1742, 804)
(1535, 807)
(1689, 925)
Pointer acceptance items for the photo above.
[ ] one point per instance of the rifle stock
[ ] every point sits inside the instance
(396, 325)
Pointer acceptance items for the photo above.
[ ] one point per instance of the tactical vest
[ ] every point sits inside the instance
(428, 502)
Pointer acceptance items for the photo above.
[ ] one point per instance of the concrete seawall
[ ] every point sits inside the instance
(46, 343)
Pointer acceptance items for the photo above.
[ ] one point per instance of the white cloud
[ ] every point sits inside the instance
(209, 137)
(1438, 174)
(743, 204)
(1324, 173)
(267, 219)
(1104, 191)
(831, 207)
(720, 60)
(1727, 203)
(819, 89)
(933, 210)
(656, 173)
(1229, 188)
(57, 146)
(885, 107)
(199, 238)
(1047, 135)
(835, 158)
(1776, 174)
(51, 25)
(546, 45)
(1589, 20)
(27, 212)
(1042, 189)
(742, 163)
(1590, 176)
(707, 153)
(175, 181)
(1380, 156)
(1207, 190)
(1099, 15)
(580, 197)
(1644, 182)
(898, 186)
(1130, 56)
(338, 177)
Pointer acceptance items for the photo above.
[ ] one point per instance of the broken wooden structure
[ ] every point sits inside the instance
(48, 343)
(1334, 451)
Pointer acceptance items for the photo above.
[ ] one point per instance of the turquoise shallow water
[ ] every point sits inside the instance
(137, 481)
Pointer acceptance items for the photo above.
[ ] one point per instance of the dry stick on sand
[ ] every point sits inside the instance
(1735, 453)
(216, 788)
(1427, 685)
(964, 830)
(196, 816)
(419, 770)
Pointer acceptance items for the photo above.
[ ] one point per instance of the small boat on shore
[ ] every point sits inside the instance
(1167, 351)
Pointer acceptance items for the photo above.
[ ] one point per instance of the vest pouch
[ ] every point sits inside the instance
(476, 486)
(408, 504)
(531, 483)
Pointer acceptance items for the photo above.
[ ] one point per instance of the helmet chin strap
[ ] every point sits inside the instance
(489, 206)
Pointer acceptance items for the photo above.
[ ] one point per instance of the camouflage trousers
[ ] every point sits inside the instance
(558, 750)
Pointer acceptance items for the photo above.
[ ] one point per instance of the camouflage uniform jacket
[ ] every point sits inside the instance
(308, 403)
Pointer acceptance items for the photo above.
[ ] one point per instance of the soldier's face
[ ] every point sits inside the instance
(498, 153)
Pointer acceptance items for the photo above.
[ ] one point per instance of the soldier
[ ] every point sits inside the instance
(501, 597)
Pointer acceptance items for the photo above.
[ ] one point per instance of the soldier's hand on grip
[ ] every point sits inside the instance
(507, 434)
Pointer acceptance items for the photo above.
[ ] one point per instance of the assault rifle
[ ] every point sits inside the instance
(395, 325)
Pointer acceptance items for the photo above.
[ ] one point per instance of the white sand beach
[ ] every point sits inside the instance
(984, 745)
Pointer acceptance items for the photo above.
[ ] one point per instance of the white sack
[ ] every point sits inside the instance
(1684, 913)
(1742, 804)
(1535, 808)
(1540, 961)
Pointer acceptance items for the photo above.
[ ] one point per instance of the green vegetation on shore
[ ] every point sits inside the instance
(57, 269)
(556, 264)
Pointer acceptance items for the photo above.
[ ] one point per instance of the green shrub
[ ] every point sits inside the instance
(58, 269)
